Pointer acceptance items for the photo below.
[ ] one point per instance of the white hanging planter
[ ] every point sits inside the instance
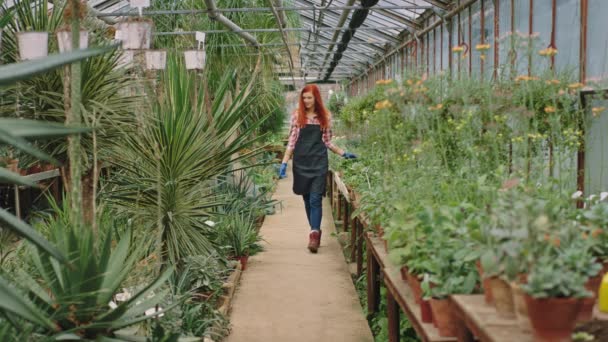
(156, 59)
(195, 59)
(33, 45)
(135, 34)
(64, 38)
(126, 59)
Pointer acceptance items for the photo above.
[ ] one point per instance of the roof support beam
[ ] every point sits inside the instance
(400, 18)
(248, 9)
(213, 15)
(439, 3)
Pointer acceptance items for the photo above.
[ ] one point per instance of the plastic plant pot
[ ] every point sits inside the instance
(135, 34)
(33, 45)
(156, 59)
(195, 59)
(64, 40)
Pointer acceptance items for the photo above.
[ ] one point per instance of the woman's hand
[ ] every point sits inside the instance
(283, 171)
(348, 155)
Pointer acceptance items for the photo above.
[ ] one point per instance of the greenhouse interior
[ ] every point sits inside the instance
(171, 179)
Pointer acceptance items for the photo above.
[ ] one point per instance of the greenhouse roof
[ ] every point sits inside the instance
(325, 50)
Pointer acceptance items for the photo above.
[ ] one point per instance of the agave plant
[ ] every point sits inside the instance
(73, 300)
(167, 183)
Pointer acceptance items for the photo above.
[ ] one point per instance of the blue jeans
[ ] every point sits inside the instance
(314, 209)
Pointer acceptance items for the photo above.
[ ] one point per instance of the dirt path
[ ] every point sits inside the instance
(288, 294)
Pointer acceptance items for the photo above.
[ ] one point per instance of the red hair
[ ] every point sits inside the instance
(320, 110)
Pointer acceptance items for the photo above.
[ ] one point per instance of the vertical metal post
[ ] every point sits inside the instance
(345, 218)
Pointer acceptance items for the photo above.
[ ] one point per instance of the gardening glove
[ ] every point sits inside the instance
(348, 155)
(283, 171)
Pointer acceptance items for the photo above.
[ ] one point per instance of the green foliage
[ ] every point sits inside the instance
(168, 185)
(238, 236)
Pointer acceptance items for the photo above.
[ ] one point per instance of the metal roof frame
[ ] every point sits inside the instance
(377, 38)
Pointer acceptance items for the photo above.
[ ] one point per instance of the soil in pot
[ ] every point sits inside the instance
(444, 317)
(503, 297)
(521, 309)
(553, 319)
(485, 284)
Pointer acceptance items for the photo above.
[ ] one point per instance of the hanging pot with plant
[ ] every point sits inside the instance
(195, 59)
(64, 40)
(33, 45)
(135, 34)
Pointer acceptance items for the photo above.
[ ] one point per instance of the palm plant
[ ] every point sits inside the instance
(238, 235)
(167, 184)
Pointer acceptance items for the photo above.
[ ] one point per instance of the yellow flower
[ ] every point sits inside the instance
(437, 107)
(548, 52)
(597, 110)
(383, 104)
(575, 85)
(549, 109)
(482, 47)
(410, 82)
(458, 49)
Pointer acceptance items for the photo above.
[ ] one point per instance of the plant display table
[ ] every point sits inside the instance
(482, 321)
(398, 295)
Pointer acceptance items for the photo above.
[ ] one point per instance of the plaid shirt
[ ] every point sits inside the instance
(294, 132)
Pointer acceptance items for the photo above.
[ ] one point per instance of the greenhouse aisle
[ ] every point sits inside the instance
(289, 294)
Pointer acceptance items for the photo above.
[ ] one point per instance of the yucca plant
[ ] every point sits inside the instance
(167, 183)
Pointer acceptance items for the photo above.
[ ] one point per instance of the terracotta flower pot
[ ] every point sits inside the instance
(64, 40)
(553, 319)
(426, 311)
(586, 312)
(403, 271)
(444, 317)
(503, 298)
(33, 45)
(135, 34)
(485, 284)
(414, 283)
(156, 59)
(593, 284)
(243, 260)
(521, 309)
(195, 59)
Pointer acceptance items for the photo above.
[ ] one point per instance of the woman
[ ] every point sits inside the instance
(309, 139)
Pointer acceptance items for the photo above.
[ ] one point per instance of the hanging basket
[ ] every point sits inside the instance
(156, 59)
(135, 34)
(195, 59)
(64, 38)
(125, 60)
(33, 45)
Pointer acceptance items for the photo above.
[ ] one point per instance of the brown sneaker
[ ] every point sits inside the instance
(314, 241)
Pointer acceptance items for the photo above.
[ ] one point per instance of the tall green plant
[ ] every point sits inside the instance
(167, 185)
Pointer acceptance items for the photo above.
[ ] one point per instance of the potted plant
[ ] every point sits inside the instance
(554, 298)
(32, 44)
(156, 59)
(195, 59)
(239, 236)
(135, 33)
(64, 34)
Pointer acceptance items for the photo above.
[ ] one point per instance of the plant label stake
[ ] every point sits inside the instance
(140, 4)
(200, 38)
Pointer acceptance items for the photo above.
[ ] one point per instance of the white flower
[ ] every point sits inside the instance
(123, 296)
(577, 194)
(152, 311)
(112, 305)
(210, 223)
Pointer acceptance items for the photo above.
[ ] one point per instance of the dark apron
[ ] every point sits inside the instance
(310, 161)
